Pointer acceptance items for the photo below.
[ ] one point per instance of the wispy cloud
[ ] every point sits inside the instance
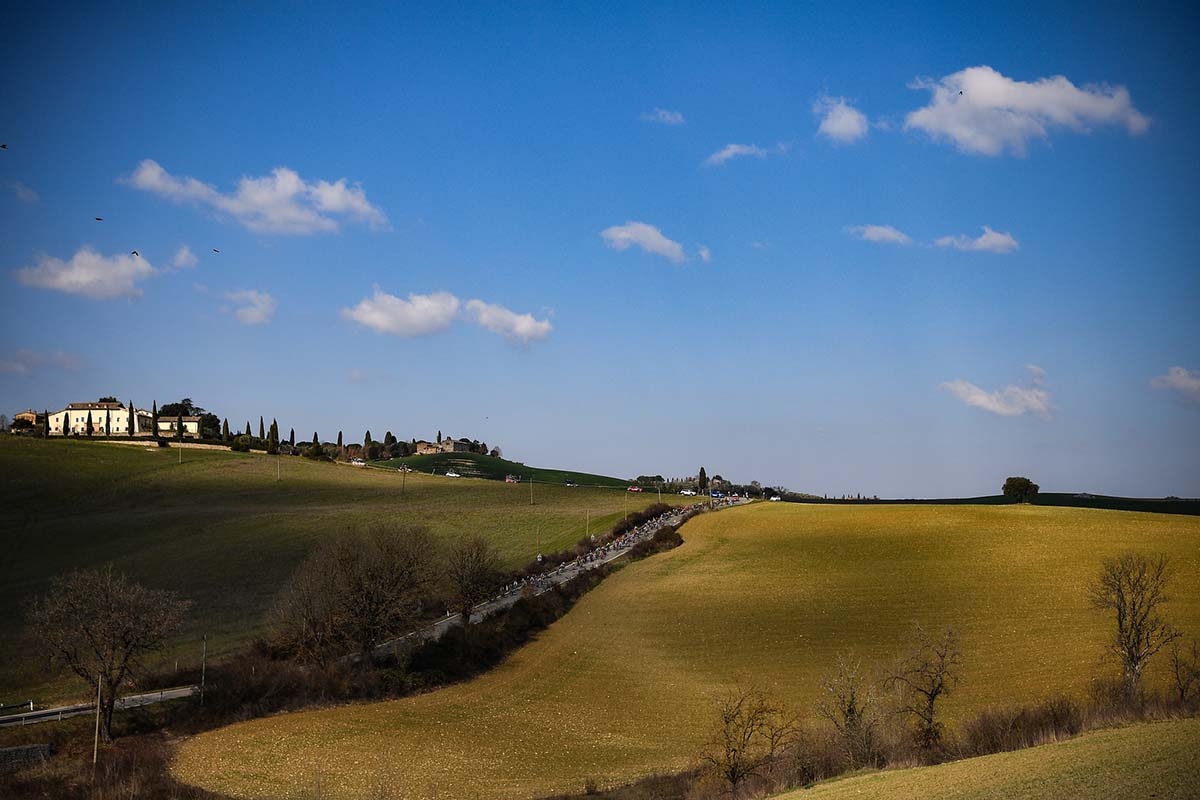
(841, 122)
(254, 307)
(664, 117)
(981, 111)
(731, 151)
(184, 258)
(419, 315)
(881, 234)
(759, 244)
(1185, 382)
(25, 361)
(515, 327)
(89, 273)
(647, 237)
(704, 253)
(989, 241)
(23, 192)
(1011, 401)
(280, 202)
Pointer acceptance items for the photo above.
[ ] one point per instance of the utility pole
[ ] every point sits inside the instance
(278, 468)
(203, 665)
(625, 496)
(530, 490)
(587, 524)
(96, 741)
(403, 478)
(180, 446)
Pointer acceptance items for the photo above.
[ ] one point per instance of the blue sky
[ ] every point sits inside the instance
(449, 245)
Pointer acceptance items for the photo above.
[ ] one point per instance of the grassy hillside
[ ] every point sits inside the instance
(770, 593)
(220, 529)
(1153, 760)
(474, 465)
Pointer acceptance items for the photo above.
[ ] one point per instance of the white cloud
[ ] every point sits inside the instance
(521, 328)
(23, 192)
(730, 151)
(255, 308)
(280, 202)
(1011, 401)
(24, 361)
(357, 376)
(840, 121)
(647, 237)
(704, 253)
(184, 258)
(989, 241)
(664, 117)
(89, 273)
(419, 315)
(1184, 381)
(981, 111)
(760, 245)
(882, 234)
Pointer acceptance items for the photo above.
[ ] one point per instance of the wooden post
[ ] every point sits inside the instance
(203, 666)
(96, 741)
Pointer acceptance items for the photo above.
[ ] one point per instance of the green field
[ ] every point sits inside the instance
(222, 531)
(766, 594)
(1150, 760)
(473, 465)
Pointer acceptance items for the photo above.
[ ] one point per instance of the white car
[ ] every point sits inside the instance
(688, 492)
(775, 498)
(357, 462)
(452, 474)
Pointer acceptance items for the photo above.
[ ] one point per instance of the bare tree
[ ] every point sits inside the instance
(1133, 586)
(848, 703)
(383, 575)
(473, 567)
(101, 624)
(355, 591)
(304, 620)
(927, 674)
(1185, 669)
(751, 733)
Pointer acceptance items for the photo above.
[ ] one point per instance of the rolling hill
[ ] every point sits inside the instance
(767, 594)
(225, 533)
(474, 465)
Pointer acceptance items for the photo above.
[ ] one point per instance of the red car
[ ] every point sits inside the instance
(635, 489)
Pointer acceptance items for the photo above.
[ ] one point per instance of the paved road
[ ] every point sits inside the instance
(128, 701)
(544, 583)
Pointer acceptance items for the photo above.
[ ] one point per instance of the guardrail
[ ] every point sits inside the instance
(66, 712)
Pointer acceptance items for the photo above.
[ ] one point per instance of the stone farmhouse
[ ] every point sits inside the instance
(447, 445)
(107, 419)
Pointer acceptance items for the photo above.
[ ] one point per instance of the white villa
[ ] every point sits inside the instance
(107, 419)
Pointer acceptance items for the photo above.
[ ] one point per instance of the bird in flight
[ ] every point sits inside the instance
(135, 253)
(99, 219)
(215, 250)
(3, 147)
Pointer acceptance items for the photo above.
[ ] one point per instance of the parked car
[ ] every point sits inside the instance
(452, 474)
(775, 498)
(717, 495)
(511, 479)
(569, 483)
(688, 492)
(357, 462)
(634, 489)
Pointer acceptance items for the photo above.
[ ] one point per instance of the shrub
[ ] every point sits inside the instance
(240, 445)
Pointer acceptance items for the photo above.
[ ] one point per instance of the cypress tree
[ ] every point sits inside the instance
(247, 429)
(132, 419)
(179, 427)
(439, 437)
(292, 438)
(46, 414)
(316, 441)
(366, 443)
(702, 481)
(154, 418)
(108, 422)
(225, 429)
(261, 432)
(89, 422)
(339, 440)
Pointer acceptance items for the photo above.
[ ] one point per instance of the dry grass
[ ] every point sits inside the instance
(621, 687)
(1159, 759)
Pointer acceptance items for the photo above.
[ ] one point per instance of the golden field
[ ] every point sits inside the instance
(764, 594)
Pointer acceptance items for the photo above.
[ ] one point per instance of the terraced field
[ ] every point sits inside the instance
(767, 594)
(1153, 760)
(225, 533)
